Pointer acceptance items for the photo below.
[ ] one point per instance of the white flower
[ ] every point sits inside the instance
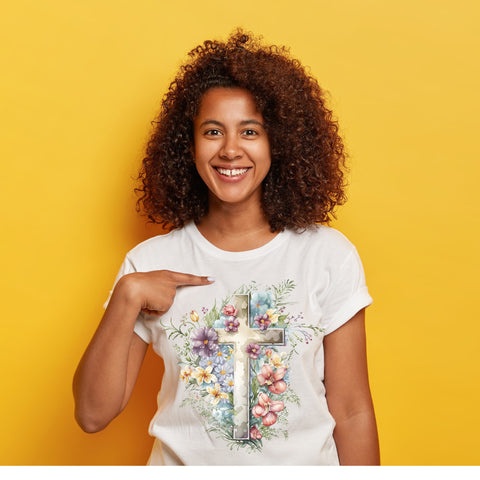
(204, 375)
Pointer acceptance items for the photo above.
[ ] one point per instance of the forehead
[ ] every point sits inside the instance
(228, 103)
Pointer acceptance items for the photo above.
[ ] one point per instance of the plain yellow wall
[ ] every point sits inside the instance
(80, 83)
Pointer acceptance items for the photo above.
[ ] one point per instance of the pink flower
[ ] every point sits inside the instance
(254, 350)
(230, 310)
(267, 409)
(262, 321)
(272, 380)
(255, 433)
(231, 324)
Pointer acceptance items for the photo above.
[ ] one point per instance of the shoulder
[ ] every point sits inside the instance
(156, 247)
(330, 236)
(326, 242)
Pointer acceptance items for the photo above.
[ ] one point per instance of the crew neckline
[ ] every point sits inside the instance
(192, 230)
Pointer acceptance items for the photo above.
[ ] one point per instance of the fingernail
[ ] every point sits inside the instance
(211, 279)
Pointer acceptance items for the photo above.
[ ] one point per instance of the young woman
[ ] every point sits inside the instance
(255, 305)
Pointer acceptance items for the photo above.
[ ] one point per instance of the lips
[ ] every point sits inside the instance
(231, 172)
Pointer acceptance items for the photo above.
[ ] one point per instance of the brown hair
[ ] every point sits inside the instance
(306, 180)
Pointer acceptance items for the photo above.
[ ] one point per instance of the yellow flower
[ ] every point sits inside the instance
(272, 315)
(194, 316)
(216, 393)
(186, 373)
(277, 361)
(201, 375)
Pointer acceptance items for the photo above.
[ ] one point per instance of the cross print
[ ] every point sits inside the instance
(241, 370)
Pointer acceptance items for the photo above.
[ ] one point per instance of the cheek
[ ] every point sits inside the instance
(202, 166)
(263, 157)
(204, 151)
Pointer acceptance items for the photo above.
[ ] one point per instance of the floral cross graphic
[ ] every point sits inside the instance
(235, 362)
(242, 338)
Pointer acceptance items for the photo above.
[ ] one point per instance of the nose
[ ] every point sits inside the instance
(231, 149)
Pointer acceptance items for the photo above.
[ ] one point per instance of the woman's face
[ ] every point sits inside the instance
(231, 146)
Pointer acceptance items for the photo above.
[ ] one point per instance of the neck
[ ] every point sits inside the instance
(235, 228)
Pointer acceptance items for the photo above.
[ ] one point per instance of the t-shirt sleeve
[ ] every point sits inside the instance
(346, 294)
(140, 328)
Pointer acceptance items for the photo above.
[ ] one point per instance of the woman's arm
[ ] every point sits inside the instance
(108, 370)
(348, 394)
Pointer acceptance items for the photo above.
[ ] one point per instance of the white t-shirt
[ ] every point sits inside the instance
(244, 366)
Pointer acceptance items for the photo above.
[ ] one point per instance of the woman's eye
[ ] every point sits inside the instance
(249, 132)
(213, 132)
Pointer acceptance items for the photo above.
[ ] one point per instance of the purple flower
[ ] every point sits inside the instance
(262, 321)
(254, 350)
(205, 341)
(231, 324)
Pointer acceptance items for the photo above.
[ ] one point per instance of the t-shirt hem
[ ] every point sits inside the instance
(358, 301)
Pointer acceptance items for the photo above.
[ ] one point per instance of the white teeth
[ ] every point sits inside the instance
(233, 172)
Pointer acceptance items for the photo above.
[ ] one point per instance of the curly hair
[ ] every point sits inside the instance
(306, 179)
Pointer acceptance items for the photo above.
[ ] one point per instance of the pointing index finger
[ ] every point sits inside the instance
(183, 279)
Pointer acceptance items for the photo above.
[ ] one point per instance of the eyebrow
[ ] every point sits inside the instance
(242, 123)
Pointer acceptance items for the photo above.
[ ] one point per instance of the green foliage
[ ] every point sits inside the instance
(282, 291)
(291, 397)
(211, 316)
(245, 289)
(174, 332)
(254, 387)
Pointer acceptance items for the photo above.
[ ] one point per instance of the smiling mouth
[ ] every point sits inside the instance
(233, 172)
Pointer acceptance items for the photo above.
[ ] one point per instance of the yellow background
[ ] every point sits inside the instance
(80, 83)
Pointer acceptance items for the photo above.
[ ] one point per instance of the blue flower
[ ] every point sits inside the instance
(227, 382)
(223, 412)
(219, 358)
(207, 362)
(260, 302)
(224, 369)
(218, 323)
